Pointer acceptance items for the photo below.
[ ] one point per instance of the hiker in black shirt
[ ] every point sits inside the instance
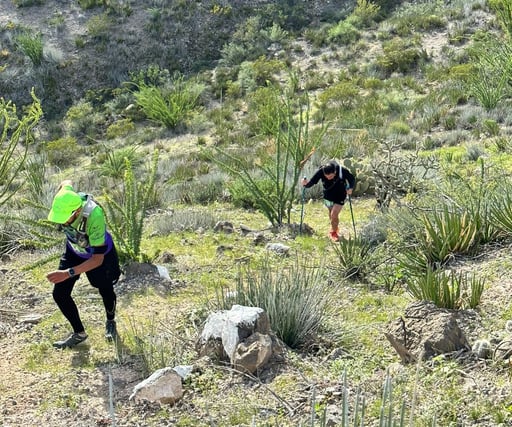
(337, 182)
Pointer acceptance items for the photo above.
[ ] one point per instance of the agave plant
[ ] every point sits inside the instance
(355, 256)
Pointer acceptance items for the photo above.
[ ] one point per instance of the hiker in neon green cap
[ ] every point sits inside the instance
(89, 250)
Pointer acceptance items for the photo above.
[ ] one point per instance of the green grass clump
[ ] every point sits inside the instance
(295, 298)
(169, 106)
(447, 290)
(32, 46)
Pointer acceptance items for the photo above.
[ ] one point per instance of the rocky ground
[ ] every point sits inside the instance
(91, 385)
(28, 393)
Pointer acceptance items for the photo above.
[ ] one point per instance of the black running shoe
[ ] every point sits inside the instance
(71, 341)
(110, 330)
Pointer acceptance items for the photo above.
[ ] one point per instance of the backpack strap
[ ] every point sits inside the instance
(90, 204)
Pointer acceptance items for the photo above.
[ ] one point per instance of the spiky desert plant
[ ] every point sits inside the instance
(126, 214)
(296, 298)
(169, 106)
(286, 140)
(15, 139)
(447, 289)
(354, 256)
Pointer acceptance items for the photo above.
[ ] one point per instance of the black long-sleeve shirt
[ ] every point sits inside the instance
(335, 190)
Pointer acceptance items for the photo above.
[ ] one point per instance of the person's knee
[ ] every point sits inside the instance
(60, 294)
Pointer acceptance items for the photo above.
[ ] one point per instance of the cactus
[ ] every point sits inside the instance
(483, 349)
(365, 182)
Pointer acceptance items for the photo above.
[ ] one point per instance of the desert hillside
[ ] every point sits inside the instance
(193, 124)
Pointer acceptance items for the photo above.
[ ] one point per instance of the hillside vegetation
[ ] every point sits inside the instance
(192, 123)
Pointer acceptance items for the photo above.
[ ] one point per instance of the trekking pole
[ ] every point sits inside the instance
(352, 214)
(302, 208)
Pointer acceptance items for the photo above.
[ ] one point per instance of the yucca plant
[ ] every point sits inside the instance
(32, 46)
(355, 256)
(447, 289)
(447, 232)
(113, 162)
(169, 106)
(475, 196)
(501, 209)
(296, 298)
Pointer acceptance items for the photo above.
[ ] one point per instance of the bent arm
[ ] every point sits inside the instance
(89, 264)
(314, 179)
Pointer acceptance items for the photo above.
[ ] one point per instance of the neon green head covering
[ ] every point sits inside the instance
(64, 203)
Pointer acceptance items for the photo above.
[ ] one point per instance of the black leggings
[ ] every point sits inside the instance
(103, 278)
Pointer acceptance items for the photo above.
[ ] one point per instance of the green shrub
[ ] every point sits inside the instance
(317, 37)
(343, 33)
(79, 42)
(89, 4)
(258, 73)
(187, 219)
(342, 95)
(275, 34)
(28, 3)
(248, 42)
(120, 7)
(32, 46)
(202, 192)
(399, 55)
(366, 12)
(399, 128)
(491, 127)
(99, 27)
(62, 152)
(447, 289)
(120, 128)
(242, 198)
(296, 298)
(81, 120)
(169, 106)
(57, 20)
(424, 15)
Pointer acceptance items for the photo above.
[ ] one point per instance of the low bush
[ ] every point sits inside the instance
(343, 33)
(62, 152)
(447, 289)
(81, 120)
(400, 56)
(120, 128)
(296, 298)
(354, 256)
(32, 46)
(187, 219)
